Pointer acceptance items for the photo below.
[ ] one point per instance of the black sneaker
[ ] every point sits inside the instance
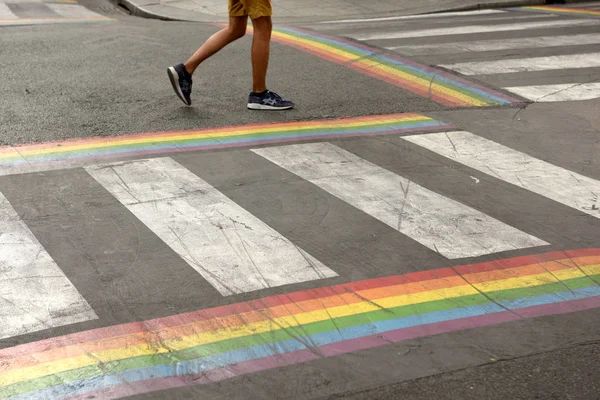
(182, 82)
(268, 100)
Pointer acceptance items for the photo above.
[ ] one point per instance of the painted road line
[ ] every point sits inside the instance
(470, 29)
(564, 92)
(233, 250)
(548, 180)
(578, 12)
(39, 21)
(225, 342)
(424, 16)
(443, 225)
(495, 45)
(45, 156)
(34, 293)
(6, 13)
(589, 60)
(73, 11)
(437, 85)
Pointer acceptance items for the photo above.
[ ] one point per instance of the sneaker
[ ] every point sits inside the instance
(268, 100)
(182, 82)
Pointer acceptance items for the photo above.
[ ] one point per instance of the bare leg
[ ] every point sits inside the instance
(235, 30)
(260, 52)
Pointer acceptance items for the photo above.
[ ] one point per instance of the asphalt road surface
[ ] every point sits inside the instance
(423, 225)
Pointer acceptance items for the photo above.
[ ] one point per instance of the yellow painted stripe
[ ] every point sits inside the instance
(374, 64)
(204, 134)
(296, 320)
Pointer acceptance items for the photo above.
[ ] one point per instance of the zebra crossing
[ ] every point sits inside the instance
(551, 54)
(31, 12)
(226, 238)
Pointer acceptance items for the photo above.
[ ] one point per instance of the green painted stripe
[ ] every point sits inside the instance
(208, 138)
(292, 332)
(363, 54)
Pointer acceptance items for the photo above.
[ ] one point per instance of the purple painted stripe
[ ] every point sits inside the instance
(338, 348)
(177, 149)
(377, 52)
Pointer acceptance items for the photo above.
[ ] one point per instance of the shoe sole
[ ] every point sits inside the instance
(254, 106)
(174, 78)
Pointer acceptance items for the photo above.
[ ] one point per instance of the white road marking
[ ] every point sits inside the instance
(233, 250)
(469, 29)
(439, 223)
(589, 60)
(34, 292)
(423, 16)
(73, 11)
(561, 185)
(562, 92)
(6, 13)
(495, 45)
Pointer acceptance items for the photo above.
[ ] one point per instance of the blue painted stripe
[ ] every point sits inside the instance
(159, 146)
(402, 64)
(321, 339)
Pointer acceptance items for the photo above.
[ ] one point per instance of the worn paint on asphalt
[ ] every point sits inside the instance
(443, 225)
(231, 248)
(578, 12)
(439, 86)
(44, 156)
(574, 190)
(229, 341)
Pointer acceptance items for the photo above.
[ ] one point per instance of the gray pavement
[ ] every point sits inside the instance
(102, 79)
(286, 11)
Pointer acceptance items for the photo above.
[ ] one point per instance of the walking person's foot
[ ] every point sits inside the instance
(182, 82)
(268, 100)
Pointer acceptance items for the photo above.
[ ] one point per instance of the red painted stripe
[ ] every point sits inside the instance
(284, 299)
(337, 349)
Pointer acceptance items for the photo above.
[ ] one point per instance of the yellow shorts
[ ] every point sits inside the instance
(251, 8)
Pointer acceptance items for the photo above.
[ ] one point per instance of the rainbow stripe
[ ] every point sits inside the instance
(579, 12)
(229, 341)
(439, 86)
(36, 156)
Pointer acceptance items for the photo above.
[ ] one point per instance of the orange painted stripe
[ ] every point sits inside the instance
(237, 320)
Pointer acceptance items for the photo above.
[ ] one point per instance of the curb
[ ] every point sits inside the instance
(140, 11)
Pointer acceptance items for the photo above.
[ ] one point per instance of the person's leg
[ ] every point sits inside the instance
(235, 30)
(261, 98)
(180, 75)
(261, 45)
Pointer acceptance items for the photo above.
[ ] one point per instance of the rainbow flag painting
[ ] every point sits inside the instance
(577, 12)
(439, 86)
(40, 156)
(224, 342)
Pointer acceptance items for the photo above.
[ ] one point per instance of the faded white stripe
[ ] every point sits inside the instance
(233, 250)
(566, 187)
(73, 11)
(474, 29)
(34, 292)
(495, 45)
(6, 13)
(589, 60)
(563, 92)
(423, 16)
(442, 224)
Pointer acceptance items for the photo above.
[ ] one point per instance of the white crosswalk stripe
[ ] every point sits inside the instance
(569, 188)
(230, 248)
(34, 12)
(236, 252)
(443, 225)
(496, 48)
(34, 292)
